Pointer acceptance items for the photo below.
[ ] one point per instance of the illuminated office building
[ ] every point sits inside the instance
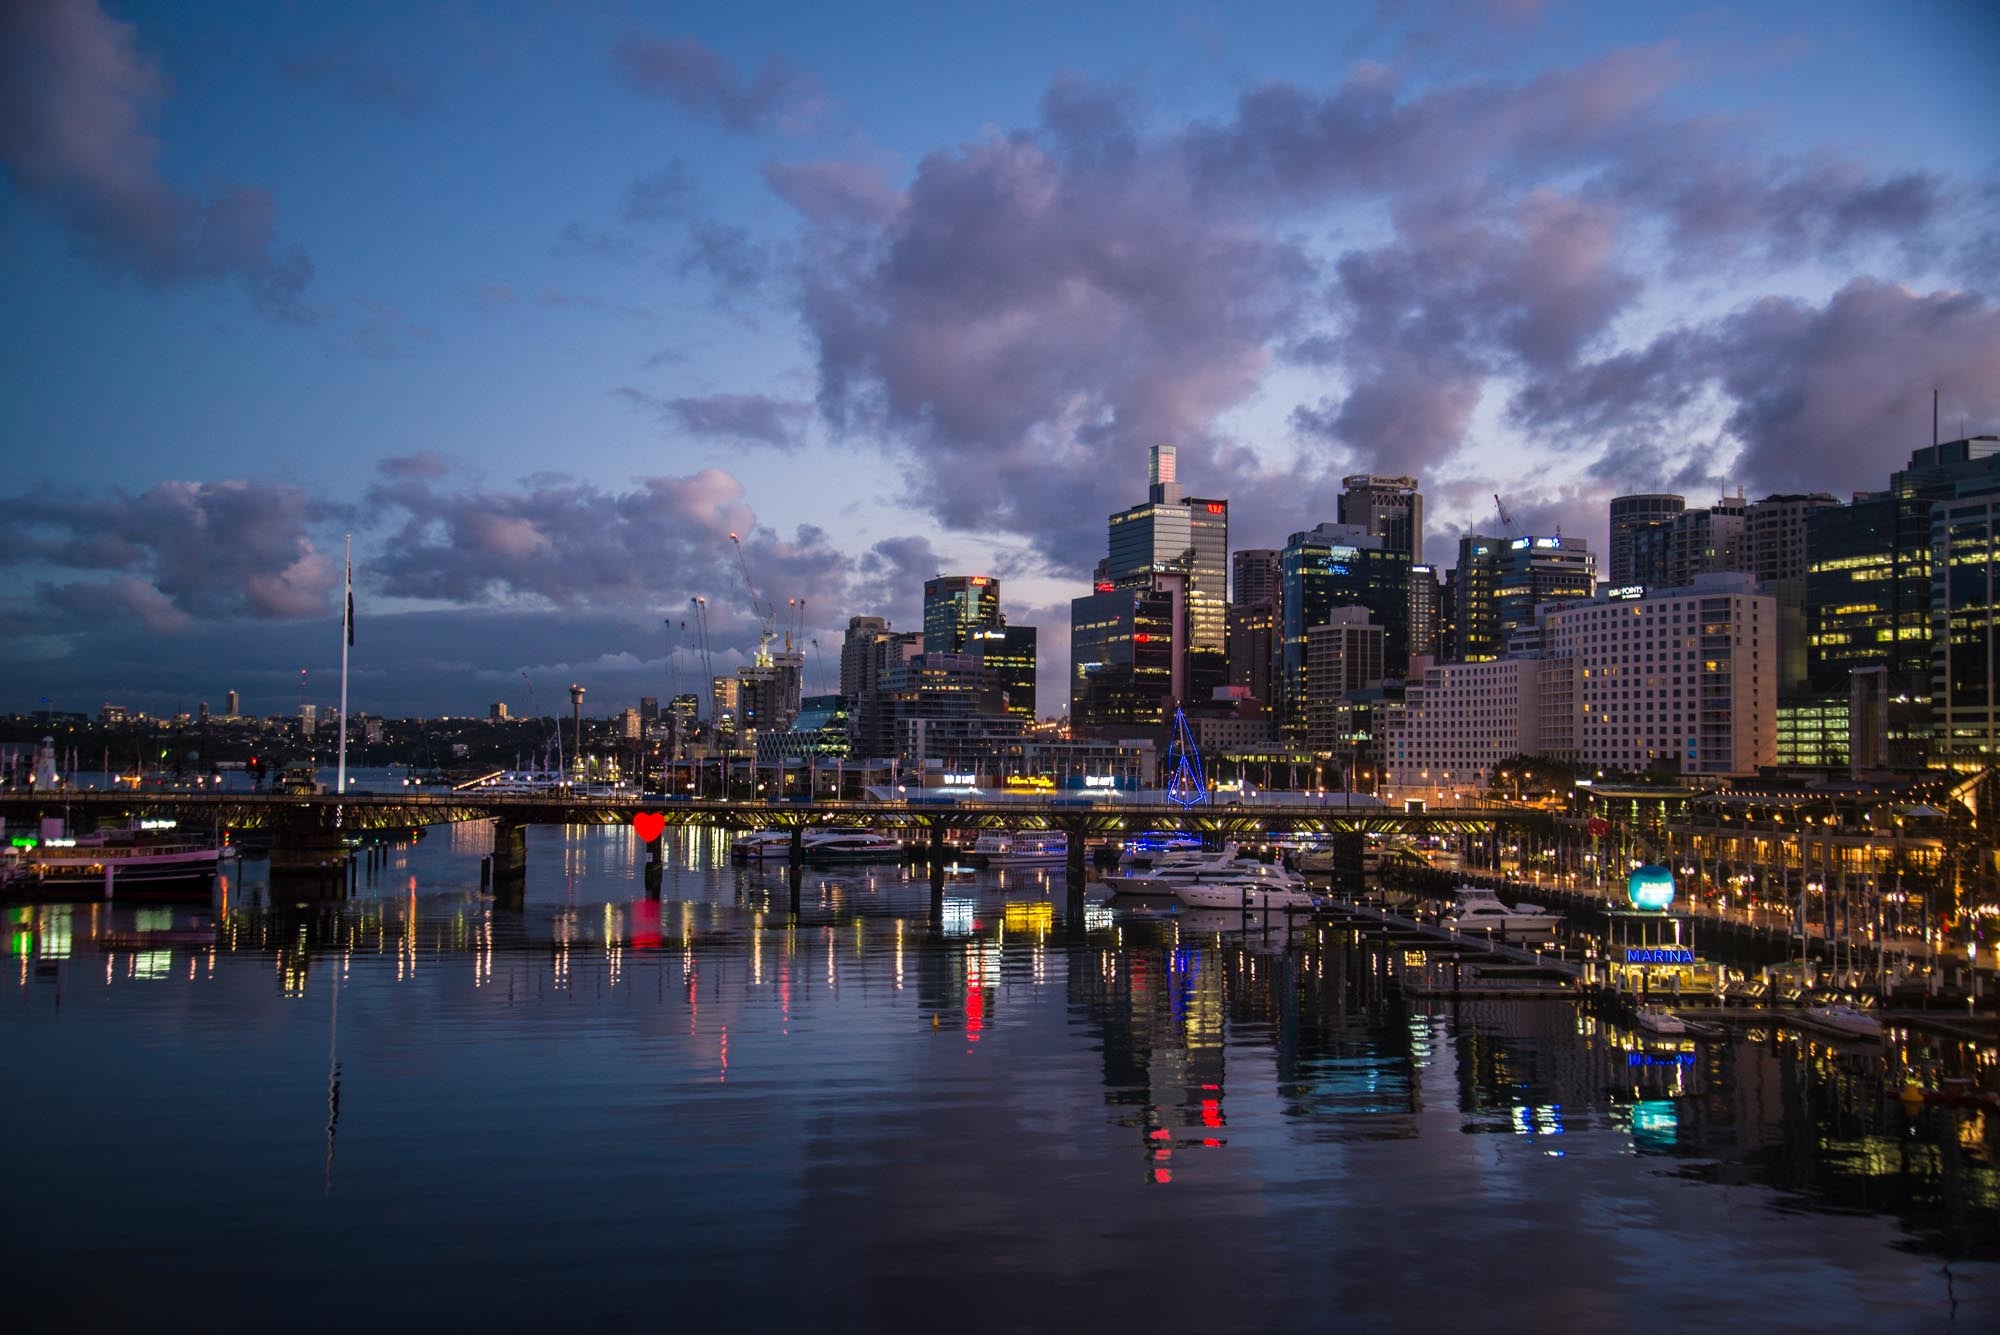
(954, 607)
(1170, 533)
(1330, 566)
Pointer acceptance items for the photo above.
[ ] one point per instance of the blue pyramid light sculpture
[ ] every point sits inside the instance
(1186, 784)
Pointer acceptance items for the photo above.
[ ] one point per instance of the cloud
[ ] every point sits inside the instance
(203, 549)
(581, 239)
(556, 299)
(659, 196)
(746, 419)
(367, 78)
(701, 80)
(732, 260)
(1799, 397)
(835, 193)
(1023, 318)
(77, 95)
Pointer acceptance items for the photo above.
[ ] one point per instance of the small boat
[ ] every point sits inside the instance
(1659, 1020)
(521, 782)
(998, 848)
(1845, 1021)
(1480, 910)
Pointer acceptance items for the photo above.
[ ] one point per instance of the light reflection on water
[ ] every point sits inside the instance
(700, 1109)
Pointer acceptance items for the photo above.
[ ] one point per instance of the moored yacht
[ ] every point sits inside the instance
(855, 846)
(150, 856)
(1478, 909)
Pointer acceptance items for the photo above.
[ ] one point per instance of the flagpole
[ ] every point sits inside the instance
(346, 639)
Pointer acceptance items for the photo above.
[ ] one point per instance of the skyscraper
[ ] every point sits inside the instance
(1424, 595)
(1329, 566)
(1391, 508)
(1254, 575)
(1168, 534)
(1629, 514)
(1010, 652)
(1531, 571)
(1965, 652)
(1344, 654)
(1125, 664)
(857, 654)
(954, 607)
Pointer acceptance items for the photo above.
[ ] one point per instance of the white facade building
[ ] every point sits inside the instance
(1458, 723)
(1683, 676)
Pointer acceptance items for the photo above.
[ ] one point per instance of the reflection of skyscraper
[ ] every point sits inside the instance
(1172, 534)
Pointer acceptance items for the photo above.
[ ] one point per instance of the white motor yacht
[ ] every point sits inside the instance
(857, 846)
(1845, 1021)
(1159, 879)
(760, 845)
(1480, 910)
(1658, 1020)
(1248, 892)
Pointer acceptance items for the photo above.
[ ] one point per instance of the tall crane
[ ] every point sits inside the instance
(536, 710)
(707, 662)
(1506, 520)
(820, 659)
(767, 615)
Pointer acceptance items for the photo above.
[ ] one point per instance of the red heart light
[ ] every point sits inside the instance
(649, 824)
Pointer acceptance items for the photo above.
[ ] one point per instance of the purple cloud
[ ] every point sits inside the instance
(746, 419)
(364, 77)
(76, 97)
(701, 80)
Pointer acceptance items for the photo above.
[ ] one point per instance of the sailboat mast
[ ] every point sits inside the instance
(346, 639)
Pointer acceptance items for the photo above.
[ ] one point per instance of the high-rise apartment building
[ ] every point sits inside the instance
(1254, 575)
(1174, 534)
(859, 654)
(497, 711)
(1475, 632)
(1329, 566)
(1424, 598)
(1775, 534)
(1629, 514)
(229, 709)
(954, 607)
(1682, 679)
(1391, 508)
(1343, 654)
(1253, 642)
(1458, 722)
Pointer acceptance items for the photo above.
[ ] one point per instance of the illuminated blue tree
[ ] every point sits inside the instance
(1186, 784)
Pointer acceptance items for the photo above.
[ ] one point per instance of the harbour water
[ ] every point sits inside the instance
(414, 1107)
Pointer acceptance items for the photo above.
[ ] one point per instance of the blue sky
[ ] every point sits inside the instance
(541, 301)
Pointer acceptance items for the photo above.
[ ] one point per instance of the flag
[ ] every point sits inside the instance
(350, 602)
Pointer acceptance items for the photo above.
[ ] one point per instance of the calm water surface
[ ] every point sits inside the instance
(417, 1108)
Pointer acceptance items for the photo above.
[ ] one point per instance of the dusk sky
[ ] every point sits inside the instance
(542, 301)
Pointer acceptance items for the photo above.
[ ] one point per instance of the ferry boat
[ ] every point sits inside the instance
(152, 856)
(998, 848)
(1478, 909)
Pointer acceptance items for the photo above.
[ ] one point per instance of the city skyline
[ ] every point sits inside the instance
(543, 308)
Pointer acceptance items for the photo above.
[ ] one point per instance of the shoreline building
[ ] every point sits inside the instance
(1458, 721)
(1125, 668)
(1344, 654)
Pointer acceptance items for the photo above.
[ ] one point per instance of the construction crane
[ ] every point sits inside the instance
(820, 659)
(1506, 520)
(767, 615)
(536, 710)
(795, 625)
(707, 662)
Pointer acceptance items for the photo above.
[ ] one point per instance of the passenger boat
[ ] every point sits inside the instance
(517, 782)
(998, 848)
(1845, 1021)
(137, 860)
(1478, 909)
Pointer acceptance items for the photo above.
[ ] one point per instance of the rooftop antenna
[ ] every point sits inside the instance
(1934, 416)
